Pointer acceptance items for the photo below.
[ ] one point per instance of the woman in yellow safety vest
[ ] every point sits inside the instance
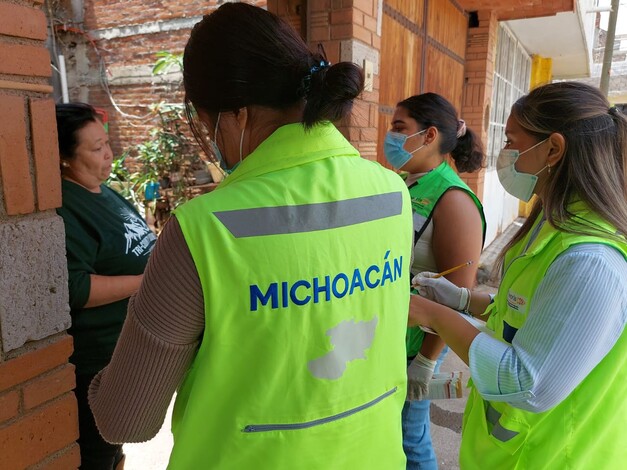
(275, 305)
(548, 370)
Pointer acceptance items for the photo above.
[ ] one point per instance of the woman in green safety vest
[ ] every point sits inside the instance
(548, 380)
(425, 129)
(276, 305)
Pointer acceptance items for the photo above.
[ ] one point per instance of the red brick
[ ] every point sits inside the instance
(19, 59)
(360, 116)
(332, 49)
(353, 134)
(68, 458)
(370, 23)
(14, 162)
(341, 31)
(361, 33)
(320, 33)
(376, 42)
(9, 405)
(49, 386)
(367, 6)
(37, 435)
(34, 363)
(319, 5)
(343, 16)
(21, 21)
(46, 154)
(369, 134)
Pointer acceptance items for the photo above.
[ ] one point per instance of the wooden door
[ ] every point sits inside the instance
(423, 48)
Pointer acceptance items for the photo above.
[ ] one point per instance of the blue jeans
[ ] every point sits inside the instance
(417, 431)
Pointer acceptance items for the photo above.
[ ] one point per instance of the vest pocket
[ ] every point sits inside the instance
(508, 433)
(317, 422)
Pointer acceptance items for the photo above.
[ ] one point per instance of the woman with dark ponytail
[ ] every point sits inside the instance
(449, 228)
(277, 304)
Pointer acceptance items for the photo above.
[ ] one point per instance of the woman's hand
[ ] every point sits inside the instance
(440, 290)
(448, 324)
(419, 375)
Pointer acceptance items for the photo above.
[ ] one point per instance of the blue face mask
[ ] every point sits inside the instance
(393, 148)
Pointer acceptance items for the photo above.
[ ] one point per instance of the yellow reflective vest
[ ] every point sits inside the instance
(303, 254)
(586, 430)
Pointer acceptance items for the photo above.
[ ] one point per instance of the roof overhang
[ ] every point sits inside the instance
(566, 37)
(561, 30)
(518, 9)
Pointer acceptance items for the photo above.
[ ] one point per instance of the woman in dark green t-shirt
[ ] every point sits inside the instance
(108, 244)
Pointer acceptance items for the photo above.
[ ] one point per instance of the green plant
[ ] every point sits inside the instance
(166, 61)
(169, 156)
(130, 185)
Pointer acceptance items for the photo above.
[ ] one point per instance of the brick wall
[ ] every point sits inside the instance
(348, 31)
(127, 38)
(38, 418)
(38, 421)
(478, 79)
(119, 40)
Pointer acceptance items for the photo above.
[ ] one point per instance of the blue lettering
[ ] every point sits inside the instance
(387, 273)
(369, 283)
(326, 288)
(398, 267)
(357, 281)
(256, 294)
(284, 295)
(295, 299)
(336, 293)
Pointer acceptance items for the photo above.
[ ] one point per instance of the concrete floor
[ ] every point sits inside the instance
(446, 418)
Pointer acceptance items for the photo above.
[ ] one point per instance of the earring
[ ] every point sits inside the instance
(549, 170)
(65, 164)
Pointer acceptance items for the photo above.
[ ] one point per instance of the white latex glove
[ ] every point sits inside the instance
(419, 374)
(440, 290)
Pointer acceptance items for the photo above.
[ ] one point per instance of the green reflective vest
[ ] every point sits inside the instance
(425, 195)
(303, 257)
(584, 431)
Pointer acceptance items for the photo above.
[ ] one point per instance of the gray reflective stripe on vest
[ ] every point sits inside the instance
(316, 422)
(498, 431)
(492, 415)
(310, 217)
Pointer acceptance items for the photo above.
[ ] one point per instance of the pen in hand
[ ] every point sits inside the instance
(452, 270)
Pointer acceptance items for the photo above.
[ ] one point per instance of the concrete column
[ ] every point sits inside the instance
(38, 417)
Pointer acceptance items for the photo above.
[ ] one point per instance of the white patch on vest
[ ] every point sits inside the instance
(516, 302)
(350, 340)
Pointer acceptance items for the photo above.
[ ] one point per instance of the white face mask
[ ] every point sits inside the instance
(218, 154)
(519, 185)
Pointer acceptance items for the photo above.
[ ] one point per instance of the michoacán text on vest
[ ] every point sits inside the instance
(324, 288)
